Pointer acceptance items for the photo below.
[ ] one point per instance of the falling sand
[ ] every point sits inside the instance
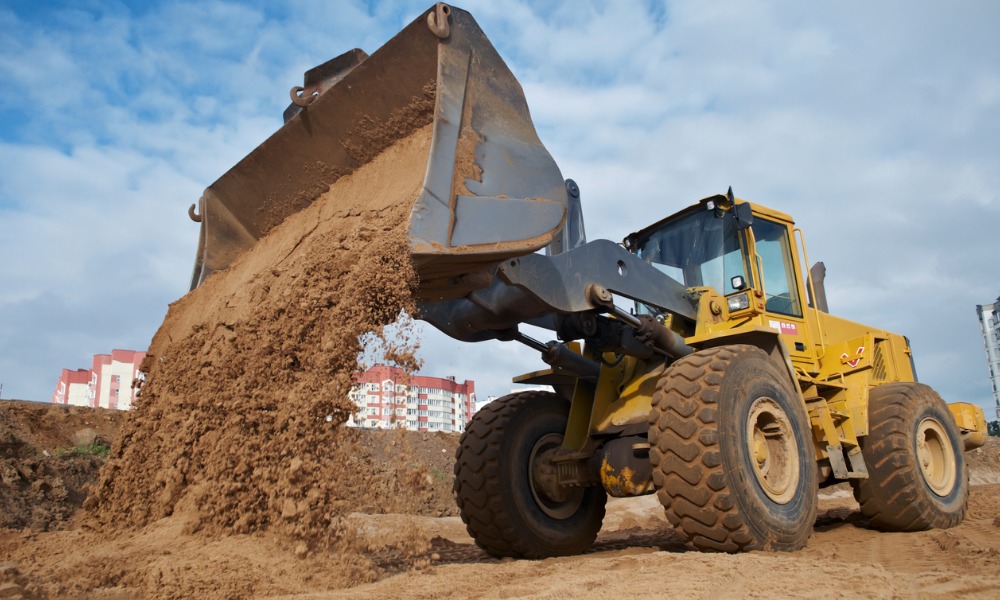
(238, 428)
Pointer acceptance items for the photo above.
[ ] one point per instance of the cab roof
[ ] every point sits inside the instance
(758, 209)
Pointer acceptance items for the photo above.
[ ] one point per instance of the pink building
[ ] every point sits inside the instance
(387, 397)
(107, 384)
(73, 388)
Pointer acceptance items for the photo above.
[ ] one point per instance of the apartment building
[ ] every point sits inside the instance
(107, 384)
(387, 397)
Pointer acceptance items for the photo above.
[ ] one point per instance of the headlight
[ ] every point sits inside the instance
(738, 302)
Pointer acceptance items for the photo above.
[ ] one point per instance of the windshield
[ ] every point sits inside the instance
(698, 249)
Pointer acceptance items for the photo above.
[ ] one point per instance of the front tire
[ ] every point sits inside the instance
(732, 453)
(503, 481)
(917, 476)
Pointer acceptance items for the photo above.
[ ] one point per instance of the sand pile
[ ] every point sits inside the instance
(237, 429)
(49, 453)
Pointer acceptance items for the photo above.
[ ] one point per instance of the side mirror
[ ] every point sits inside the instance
(744, 216)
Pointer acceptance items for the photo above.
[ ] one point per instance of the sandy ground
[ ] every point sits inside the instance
(417, 556)
(842, 559)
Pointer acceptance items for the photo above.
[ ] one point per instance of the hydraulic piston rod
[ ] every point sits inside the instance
(560, 356)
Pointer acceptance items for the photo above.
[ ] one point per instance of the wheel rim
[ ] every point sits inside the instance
(556, 501)
(772, 450)
(936, 457)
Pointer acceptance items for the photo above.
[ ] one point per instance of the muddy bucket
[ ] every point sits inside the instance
(491, 191)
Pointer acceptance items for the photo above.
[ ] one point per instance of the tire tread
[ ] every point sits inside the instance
(688, 472)
(895, 497)
(487, 517)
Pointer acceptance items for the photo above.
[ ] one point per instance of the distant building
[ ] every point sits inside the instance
(73, 388)
(107, 384)
(989, 319)
(481, 403)
(387, 397)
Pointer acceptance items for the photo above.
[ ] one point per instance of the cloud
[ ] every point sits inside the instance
(875, 126)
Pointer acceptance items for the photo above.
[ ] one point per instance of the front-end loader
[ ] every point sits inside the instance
(696, 360)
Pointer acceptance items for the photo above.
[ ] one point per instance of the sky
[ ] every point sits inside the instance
(875, 125)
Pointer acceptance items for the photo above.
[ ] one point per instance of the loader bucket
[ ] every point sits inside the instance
(491, 191)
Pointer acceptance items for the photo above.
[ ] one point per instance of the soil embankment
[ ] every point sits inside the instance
(49, 454)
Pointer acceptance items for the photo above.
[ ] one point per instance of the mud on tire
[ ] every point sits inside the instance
(917, 476)
(502, 510)
(732, 452)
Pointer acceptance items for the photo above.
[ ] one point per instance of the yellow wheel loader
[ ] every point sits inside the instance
(696, 360)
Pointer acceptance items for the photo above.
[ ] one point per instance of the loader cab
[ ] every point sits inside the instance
(743, 252)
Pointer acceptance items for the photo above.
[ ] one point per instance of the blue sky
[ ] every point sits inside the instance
(874, 125)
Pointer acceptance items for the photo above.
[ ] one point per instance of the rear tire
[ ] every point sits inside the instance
(732, 452)
(917, 476)
(500, 458)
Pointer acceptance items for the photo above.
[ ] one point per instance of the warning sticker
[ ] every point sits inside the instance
(785, 328)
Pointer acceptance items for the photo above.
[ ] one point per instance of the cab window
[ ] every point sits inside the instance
(780, 289)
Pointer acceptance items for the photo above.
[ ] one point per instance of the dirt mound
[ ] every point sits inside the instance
(413, 473)
(166, 559)
(238, 424)
(984, 463)
(49, 454)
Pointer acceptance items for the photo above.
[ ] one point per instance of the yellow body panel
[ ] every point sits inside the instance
(971, 423)
(629, 400)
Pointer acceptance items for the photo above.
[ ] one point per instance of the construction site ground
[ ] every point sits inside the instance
(49, 548)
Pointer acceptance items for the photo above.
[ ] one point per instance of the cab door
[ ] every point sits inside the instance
(782, 289)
